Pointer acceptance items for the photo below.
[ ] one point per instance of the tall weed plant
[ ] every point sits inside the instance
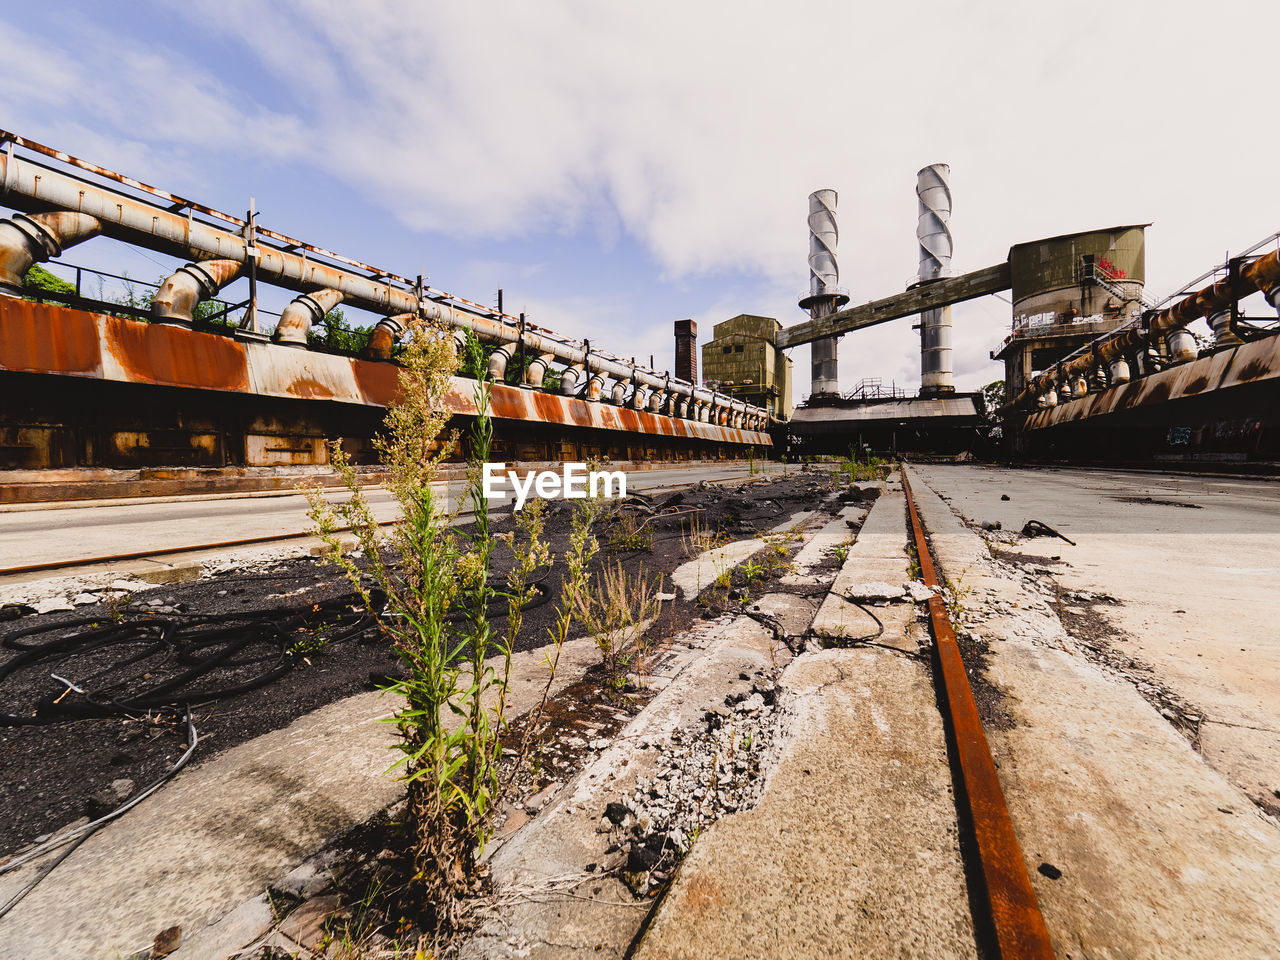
(438, 590)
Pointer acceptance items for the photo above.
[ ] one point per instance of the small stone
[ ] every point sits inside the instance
(51, 605)
(122, 788)
(305, 925)
(166, 941)
(1049, 870)
(615, 813)
(600, 744)
(84, 599)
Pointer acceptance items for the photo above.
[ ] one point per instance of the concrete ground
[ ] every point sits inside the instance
(48, 533)
(220, 832)
(854, 849)
(1136, 846)
(1196, 585)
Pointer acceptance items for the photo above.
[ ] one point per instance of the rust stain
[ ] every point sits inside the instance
(1254, 370)
(308, 388)
(508, 403)
(1157, 393)
(175, 357)
(38, 338)
(1198, 385)
(379, 383)
(628, 419)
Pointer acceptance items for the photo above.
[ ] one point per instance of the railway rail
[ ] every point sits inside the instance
(1015, 924)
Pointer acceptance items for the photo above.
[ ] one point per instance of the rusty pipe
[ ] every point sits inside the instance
(386, 334)
(537, 369)
(498, 360)
(571, 378)
(618, 394)
(303, 313)
(27, 240)
(1262, 274)
(159, 228)
(176, 300)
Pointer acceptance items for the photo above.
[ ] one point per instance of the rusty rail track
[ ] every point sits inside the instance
(1017, 926)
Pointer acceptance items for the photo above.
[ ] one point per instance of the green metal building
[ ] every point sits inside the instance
(742, 360)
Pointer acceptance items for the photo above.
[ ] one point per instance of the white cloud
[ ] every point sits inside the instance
(699, 128)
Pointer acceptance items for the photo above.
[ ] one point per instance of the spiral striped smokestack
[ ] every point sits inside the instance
(824, 273)
(824, 295)
(933, 189)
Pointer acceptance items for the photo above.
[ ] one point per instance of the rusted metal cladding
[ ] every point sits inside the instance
(53, 340)
(1047, 273)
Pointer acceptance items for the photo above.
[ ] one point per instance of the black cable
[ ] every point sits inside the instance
(80, 835)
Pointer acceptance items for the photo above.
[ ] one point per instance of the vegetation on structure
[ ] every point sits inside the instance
(478, 368)
(857, 470)
(38, 278)
(616, 614)
(438, 590)
(629, 532)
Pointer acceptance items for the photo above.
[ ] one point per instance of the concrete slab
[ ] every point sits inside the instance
(549, 906)
(854, 849)
(1192, 561)
(876, 567)
(1158, 854)
(694, 576)
(221, 831)
(818, 549)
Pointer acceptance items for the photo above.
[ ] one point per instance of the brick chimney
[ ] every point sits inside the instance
(687, 350)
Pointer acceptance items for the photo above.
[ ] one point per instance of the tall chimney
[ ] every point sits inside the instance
(687, 351)
(824, 293)
(933, 189)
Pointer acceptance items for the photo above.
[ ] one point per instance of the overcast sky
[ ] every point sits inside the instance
(616, 166)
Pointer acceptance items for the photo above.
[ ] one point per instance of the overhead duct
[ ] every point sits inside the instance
(386, 334)
(537, 369)
(1168, 324)
(162, 228)
(176, 300)
(498, 360)
(571, 379)
(26, 240)
(303, 313)
(933, 190)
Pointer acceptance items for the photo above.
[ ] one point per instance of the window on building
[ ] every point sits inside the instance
(737, 348)
(727, 349)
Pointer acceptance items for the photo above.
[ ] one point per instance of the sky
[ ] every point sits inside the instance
(615, 167)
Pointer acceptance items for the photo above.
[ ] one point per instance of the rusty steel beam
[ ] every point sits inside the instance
(31, 187)
(1262, 274)
(927, 296)
(1017, 924)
